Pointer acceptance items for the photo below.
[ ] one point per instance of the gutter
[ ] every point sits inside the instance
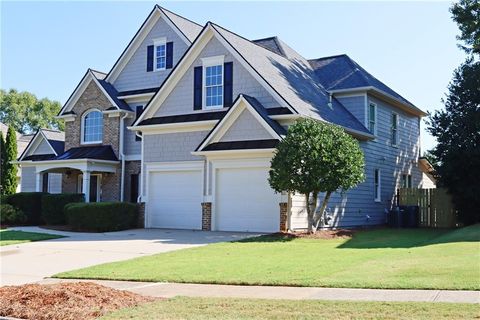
(122, 156)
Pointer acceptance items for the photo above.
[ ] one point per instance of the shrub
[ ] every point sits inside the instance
(53, 205)
(30, 203)
(101, 216)
(11, 215)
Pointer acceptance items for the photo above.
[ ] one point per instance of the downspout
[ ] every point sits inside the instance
(122, 156)
(140, 196)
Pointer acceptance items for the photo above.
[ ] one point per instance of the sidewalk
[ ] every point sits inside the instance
(168, 290)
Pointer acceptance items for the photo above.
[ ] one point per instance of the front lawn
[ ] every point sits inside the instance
(8, 237)
(217, 308)
(386, 258)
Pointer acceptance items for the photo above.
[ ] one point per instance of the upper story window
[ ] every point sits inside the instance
(377, 183)
(213, 84)
(406, 180)
(372, 118)
(92, 127)
(160, 54)
(394, 130)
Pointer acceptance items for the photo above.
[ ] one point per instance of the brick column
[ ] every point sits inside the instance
(141, 215)
(283, 216)
(206, 216)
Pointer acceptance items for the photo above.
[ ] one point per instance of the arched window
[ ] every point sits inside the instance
(92, 127)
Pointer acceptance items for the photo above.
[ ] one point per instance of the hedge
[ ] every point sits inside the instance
(9, 215)
(30, 203)
(53, 206)
(101, 216)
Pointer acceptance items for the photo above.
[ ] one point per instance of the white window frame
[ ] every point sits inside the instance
(210, 62)
(375, 128)
(99, 184)
(407, 180)
(156, 43)
(377, 188)
(82, 127)
(397, 121)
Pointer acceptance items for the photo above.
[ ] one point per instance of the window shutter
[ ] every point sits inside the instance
(150, 58)
(197, 88)
(227, 84)
(169, 62)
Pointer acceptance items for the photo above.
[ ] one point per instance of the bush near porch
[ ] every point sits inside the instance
(30, 203)
(101, 216)
(53, 205)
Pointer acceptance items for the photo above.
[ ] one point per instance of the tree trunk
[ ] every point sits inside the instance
(324, 204)
(311, 204)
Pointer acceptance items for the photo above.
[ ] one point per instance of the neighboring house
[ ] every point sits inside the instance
(22, 142)
(429, 176)
(188, 118)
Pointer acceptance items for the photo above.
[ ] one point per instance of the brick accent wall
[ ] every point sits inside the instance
(111, 186)
(69, 182)
(206, 216)
(283, 216)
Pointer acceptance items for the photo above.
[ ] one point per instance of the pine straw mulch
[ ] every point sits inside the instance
(68, 300)
(320, 234)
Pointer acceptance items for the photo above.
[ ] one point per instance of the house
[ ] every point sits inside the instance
(22, 142)
(189, 116)
(429, 175)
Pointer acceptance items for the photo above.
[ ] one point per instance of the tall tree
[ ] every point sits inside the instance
(316, 157)
(10, 175)
(466, 13)
(26, 113)
(2, 161)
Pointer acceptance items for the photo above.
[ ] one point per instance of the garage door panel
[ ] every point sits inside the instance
(245, 201)
(174, 199)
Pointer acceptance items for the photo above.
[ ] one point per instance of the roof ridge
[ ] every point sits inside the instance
(267, 38)
(329, 57)
(52, 130)
(176, 14)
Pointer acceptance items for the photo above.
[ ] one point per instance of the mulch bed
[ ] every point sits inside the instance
(62, 301)
(321, 234)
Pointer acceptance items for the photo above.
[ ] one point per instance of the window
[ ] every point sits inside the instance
(45, 182)
(92, 127)
(394, 133)
(214, 86)
(160, 54)
(372, 118)
(406, 180)
(377, 185)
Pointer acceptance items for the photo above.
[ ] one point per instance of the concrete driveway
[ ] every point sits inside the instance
(31, 262)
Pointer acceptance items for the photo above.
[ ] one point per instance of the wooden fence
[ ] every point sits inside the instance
(436, 207)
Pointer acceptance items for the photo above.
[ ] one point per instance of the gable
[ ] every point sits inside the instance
(180, 100)
(246, 127)
(43, 148)
(92, 97)
(134, 74)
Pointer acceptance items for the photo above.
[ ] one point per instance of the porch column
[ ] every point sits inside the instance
(38, 181)
(86, 185)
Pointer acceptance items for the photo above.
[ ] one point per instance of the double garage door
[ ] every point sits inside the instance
(242, 200)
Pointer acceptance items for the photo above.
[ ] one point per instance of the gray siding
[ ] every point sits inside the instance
(28, 179)
(356, 106)
(172, 146)
(43, 148)
(246, 127)
(353, 207)
(131, 146)
(180, 100)
(135, 75)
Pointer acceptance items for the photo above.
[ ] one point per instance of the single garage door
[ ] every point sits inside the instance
(174, 199)
(245, 202)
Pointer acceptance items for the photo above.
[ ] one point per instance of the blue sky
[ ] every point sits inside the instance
(46, 47)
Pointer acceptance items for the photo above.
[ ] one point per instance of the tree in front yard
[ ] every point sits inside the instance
(9, 175)
(314, 158)
(2, 161)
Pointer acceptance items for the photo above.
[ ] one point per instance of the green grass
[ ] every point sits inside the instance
(217, 308)
(386, 258)
(8, 237)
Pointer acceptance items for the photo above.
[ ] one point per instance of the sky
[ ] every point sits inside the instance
(46, 47)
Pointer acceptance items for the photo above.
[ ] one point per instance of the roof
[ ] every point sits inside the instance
(262, 111)
(113, 93)
(242, 145)
(188, 27)
(341, 72)
(138, 91)
(39, 157)
(295, 81)
(89, 152)
(56, 139)
(271, 44)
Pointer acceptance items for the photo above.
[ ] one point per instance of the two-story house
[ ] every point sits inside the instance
(189, 116)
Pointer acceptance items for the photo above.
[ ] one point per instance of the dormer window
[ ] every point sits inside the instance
(92, 127)
(160, 54)
(213, 86)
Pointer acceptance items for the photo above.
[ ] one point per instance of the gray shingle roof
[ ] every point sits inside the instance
(189, 28)
(295, 81)
(111, 91)
(271, 44)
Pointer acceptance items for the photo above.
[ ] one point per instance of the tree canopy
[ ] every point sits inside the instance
(316, 157)
(9, 175)
(466, 13)
(26, 113)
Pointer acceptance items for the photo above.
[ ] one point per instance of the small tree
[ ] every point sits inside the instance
(10, 173)
(316, 157)
(2, 162)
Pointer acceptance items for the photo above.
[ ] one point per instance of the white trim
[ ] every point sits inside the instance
(235, 111)
(133, 157)
(187, 61)
(99, 184)
(82, 127)
(141, 34)
(144, 97)
(206, 63)
(175, 127)
(67, 117)
(156, 43)
(377, 198)
(244, 153)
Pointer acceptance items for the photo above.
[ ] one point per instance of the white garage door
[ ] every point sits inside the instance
(245, 202)
(174, 199)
